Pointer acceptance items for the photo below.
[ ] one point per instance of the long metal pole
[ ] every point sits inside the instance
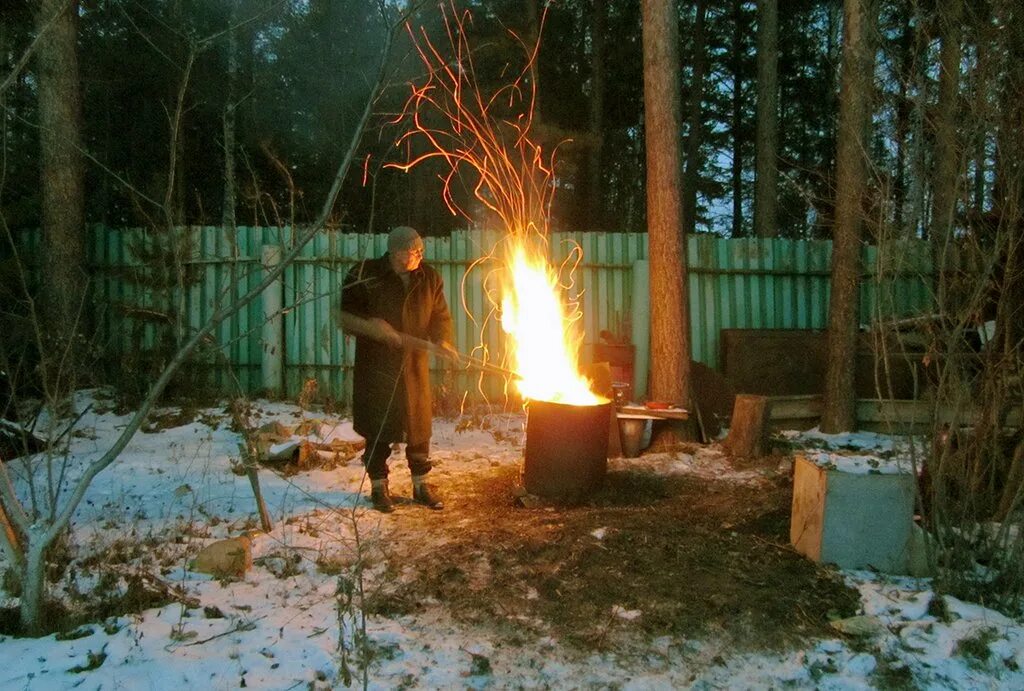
(476, 363)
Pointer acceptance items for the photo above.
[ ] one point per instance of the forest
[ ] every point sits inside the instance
(260, 97)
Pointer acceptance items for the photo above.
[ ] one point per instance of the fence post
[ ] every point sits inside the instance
(272, 341)
(641, 336)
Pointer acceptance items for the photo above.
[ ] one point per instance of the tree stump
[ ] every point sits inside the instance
(748, 436)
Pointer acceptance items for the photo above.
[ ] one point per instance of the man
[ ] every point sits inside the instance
(381, 300)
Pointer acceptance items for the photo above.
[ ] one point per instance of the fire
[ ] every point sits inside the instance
(543, 351)
(486, 137)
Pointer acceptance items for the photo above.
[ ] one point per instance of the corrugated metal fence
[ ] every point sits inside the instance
(743, 283)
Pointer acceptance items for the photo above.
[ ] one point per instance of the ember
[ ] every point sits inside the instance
(567, 430)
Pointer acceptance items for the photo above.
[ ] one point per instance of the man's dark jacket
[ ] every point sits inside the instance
(391, 387)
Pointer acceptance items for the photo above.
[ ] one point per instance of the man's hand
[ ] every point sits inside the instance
(385, 333)
(447, 350)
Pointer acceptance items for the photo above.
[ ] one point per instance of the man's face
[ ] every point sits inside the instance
(409, 258)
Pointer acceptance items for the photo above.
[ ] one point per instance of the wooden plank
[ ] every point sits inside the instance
(924, 412)
(904, 414)
(821, 263)
(350, 253)
(787, 285)
(695, 295)
(320, 307)
(754, 312)
(796, 407)
(709, 321)
(590, 288)
(771, 318)
(724, 289)
(804, 285)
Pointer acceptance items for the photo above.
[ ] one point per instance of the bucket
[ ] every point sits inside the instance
(566, 449)
(632, 431)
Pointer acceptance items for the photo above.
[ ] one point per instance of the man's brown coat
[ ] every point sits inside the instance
(391, 387)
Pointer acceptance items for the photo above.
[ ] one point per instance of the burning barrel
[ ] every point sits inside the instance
(566, 448)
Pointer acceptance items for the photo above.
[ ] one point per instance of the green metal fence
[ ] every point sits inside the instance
(743, 283)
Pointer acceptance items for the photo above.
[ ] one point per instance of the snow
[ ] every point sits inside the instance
(279, 625)
(857, 453)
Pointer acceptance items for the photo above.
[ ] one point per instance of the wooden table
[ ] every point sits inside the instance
(653, 413)
(631, 430)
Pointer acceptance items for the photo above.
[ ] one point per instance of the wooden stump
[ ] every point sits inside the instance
(748, 430)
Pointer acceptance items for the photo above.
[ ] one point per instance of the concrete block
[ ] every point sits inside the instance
(852, 520)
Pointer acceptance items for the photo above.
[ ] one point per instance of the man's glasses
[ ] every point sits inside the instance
(414, 252)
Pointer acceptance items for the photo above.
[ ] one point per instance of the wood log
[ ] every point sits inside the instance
(748, 430)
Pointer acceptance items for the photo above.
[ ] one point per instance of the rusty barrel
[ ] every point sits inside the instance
(566, 449)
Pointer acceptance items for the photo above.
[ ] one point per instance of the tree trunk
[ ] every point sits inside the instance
(33, 587)
(905, 68)
(947, 148)
(766, 191)
(737, 120)
(670, 323)
(980, 115)
(1008, 191)
(228, 210)
(62, 191)
(915, 220)
(691, 175)
(176, 198)
(854, 110)
(230, 201)
(594, 163)
(980, 166)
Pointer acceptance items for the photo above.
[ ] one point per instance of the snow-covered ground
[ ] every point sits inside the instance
(173, 491)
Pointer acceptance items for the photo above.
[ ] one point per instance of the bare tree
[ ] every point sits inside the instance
(34, 531)
(670, 319)
(839, 414)
(62, 186)
(766, 181)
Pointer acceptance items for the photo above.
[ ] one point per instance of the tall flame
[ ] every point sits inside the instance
(515, 183)
(543, 350)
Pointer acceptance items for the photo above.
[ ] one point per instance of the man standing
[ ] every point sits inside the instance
(381, 300)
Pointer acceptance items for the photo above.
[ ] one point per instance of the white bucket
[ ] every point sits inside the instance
(632, 432)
